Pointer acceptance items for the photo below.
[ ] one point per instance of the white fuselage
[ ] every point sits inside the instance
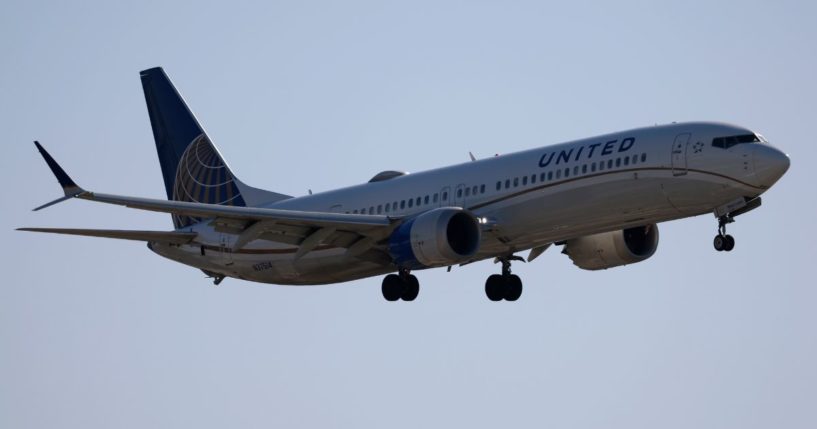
(526, 199)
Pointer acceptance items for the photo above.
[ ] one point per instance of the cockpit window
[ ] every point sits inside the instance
(727, 142)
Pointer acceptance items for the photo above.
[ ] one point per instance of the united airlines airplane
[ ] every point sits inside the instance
(600, 198)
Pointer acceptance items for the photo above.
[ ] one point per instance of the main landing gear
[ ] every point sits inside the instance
(505, 286)
(400, 286)
(723, 241)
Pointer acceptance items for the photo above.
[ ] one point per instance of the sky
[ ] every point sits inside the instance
(314, 95)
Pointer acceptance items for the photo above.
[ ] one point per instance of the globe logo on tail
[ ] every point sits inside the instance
(203, 177)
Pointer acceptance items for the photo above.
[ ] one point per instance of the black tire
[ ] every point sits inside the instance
(495, 287)
(392, 287)
(728, 243)
(513, 287)
(718, 243)
(412, 288)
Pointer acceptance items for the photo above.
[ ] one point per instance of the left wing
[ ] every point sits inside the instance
(356, 232)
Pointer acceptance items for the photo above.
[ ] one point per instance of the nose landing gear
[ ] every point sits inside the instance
(505, 286)
(723, 241)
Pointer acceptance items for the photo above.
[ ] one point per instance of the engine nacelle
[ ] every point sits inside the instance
(436, 238)
(612, 249)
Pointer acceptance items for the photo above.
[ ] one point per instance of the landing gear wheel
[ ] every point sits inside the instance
(723, 241)
(728, 243)
(513, 287)
(412, 288)
(495, 287)
(392, 287)
(719, 243)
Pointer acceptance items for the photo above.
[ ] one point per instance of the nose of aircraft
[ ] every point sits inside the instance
(770, 164)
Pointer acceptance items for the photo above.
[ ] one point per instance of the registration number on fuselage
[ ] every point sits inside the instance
(262, 266)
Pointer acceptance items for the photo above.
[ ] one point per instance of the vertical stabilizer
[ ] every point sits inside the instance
(192, 167)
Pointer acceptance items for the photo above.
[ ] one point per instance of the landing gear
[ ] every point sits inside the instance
(723, 241)
(403, 286)
(505, 286)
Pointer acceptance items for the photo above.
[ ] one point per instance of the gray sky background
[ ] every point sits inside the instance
(101, 333)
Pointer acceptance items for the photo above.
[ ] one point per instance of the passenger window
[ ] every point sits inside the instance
(584, 168)
(379, 208)
(418, 201)
(425, 199)
(542, 177)
(626, 160)
(558, 174)
(459, 193)
(550, 175)
(402, 204)
(532, 178)
(371, 210)
(354, 211)
(567, 172)
(609, 164)
(411, 203)
(515, 182)
(524, 180)
(635, 159)
(394, 206)
(387, 207)
(507, 183)
(618, 162)
(643, 157)
(575, 170)
(482, 189)
(498, 185)
(445, 196)
(593, 167)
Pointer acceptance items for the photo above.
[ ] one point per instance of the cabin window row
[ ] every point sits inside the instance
(576, 170)
(403, 204)
(420, 201)
(469, 191)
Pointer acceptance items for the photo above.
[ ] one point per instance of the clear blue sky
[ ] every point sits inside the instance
(99, 333)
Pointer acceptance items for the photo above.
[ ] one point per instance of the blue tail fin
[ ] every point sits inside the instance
(192, 167)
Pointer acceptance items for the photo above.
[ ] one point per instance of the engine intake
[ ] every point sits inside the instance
(612, 249)
(436, 238)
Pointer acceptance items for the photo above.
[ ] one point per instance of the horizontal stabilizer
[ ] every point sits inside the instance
(170, 237)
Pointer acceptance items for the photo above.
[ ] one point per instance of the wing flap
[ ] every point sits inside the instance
(170, 237)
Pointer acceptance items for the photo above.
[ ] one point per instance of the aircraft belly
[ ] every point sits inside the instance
(320, 267)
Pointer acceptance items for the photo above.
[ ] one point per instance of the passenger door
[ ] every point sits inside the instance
(458, 197)
(679, 154)
(445, 197)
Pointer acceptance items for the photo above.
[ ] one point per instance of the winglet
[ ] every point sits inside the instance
(68, 186)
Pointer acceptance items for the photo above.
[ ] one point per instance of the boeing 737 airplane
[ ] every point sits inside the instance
(600, 198)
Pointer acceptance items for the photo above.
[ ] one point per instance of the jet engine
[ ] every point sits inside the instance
(436, 238)
(612, 249)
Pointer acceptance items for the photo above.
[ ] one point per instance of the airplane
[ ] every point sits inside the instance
(600, 198)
